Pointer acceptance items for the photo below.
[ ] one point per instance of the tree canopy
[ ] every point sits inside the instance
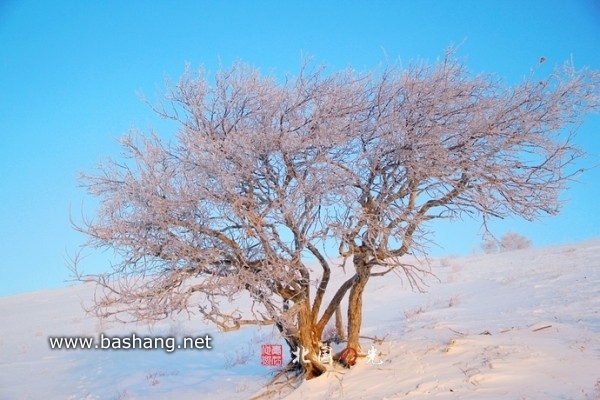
(265, 173)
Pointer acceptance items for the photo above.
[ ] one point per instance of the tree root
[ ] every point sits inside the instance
(283, 383)
(375, 339)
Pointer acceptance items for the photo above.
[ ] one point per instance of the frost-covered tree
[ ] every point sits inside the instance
(435, 142)
(263, 174)
(513, 241)
(510, 241)
(489, 245)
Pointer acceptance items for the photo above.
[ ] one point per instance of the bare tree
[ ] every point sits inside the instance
(263, 174)
(231, 209)
(513, 241)
(510, 241)
(436, 142)
(489, 245)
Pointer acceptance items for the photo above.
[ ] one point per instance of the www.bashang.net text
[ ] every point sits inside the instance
(133, 341)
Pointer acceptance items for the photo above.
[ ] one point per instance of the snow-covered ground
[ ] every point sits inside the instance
(514, 325)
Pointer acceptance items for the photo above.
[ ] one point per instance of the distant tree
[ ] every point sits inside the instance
(489, 245)
(263, 174)
(509, 242)
(513, 241)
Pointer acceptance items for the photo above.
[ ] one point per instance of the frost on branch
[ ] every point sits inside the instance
(263, 174)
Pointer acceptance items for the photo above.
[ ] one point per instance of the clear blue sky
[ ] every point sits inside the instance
(71, 72)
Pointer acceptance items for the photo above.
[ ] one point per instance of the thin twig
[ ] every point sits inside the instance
(542, 327)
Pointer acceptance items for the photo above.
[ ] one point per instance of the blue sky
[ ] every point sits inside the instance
(71, 73)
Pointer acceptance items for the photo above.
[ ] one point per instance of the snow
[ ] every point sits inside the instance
(520, 325)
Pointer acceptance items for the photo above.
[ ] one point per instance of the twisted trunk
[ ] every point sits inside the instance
(309, 344)
(355, 300)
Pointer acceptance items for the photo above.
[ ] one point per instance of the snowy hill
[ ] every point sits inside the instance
(522, 324)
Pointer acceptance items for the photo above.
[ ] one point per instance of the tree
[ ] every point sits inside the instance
(489, 245)
(438, 143)
(513, 241)
(231, 209)
(510, 241)
(263, 174)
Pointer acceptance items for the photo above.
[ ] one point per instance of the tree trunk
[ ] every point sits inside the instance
(355, 301)
(339, 324)
(309, 344)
